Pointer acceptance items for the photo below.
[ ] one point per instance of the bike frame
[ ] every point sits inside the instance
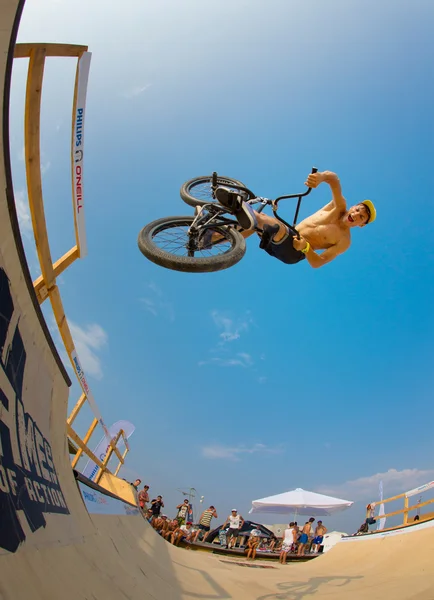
(217, 219)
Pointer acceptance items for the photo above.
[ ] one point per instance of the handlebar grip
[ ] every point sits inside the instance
(314, 170)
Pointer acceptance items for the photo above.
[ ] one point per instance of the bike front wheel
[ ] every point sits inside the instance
(198, 191)
(168, 243)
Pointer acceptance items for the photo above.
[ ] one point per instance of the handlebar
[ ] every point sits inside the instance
(314, 170)
(299, 196)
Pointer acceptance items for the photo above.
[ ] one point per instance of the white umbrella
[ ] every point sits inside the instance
(300, 502)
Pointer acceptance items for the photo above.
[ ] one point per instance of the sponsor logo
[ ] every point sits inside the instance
(78, 158)
(29, 486)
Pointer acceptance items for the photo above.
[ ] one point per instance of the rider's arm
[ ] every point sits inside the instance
(319, 260)
(338, 201)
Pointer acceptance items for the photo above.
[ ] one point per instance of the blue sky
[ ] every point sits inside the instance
(264, 377)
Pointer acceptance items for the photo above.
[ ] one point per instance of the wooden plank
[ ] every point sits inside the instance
(59, 266)
(78, 441)
(85, 442)
(33, 161)
(62, 324)
(76, 409)
(25, 50)
(405, 510)
(121, 462)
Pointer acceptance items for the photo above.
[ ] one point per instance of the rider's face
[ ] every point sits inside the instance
(357, 216)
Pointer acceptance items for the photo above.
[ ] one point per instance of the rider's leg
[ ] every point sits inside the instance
(271, 221)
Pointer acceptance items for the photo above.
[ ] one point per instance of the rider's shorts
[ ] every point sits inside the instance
(285, 251)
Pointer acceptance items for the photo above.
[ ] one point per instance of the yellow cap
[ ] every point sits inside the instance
(372, 211)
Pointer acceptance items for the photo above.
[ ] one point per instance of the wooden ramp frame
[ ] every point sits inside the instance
(45, 286)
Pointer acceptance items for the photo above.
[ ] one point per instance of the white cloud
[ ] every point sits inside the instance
(230, 328)
(262, 379)
(157, 304)
(242, 359)
(23, 213)
(45, 166)
(218, 451)
(365, 488)
(136, 91)
(88, 340)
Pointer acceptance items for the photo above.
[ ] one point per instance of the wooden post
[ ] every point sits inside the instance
(405, 510)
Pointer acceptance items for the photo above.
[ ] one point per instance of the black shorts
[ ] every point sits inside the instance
(234, 532)
(204, 527)
(285, 251)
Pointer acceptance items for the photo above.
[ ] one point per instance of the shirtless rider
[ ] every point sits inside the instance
(328, 229)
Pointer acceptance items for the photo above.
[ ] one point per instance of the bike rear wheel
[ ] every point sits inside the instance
(198, 191)
(167, 243)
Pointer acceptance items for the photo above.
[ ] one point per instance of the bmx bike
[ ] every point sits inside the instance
(186, 244)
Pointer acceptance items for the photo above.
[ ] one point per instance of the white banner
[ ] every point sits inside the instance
(420, 489)
(91, 469)
(100, 504)
(78, 149)
(82, 379)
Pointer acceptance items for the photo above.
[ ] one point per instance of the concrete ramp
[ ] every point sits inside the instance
(51, 548)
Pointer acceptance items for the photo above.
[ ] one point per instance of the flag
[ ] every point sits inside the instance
(381, 522)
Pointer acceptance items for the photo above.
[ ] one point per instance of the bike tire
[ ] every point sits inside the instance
(189, 264)
(188, 186)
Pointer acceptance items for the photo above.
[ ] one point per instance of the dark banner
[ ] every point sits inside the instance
(29, 486)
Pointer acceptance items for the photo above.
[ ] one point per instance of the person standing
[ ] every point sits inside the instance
(144, 499)
(235, 521)
(205, 522)
(320, 532)
(289, 538)
(304, 538)
(181, 517)
(156, 505)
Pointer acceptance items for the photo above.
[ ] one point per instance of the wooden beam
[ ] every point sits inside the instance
(121, 462)
(85, 442)
(405, 510)
(78, 441)
(25, 50)
(62, 323)
(59, 266)
(76, 409)
(33, 161)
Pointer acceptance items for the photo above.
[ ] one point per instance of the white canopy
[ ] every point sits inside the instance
(300, 502)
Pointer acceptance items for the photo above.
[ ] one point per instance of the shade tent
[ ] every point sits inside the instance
(300, 502)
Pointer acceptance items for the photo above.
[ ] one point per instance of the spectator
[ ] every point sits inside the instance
(205, 522)
(156, 506)
(320, 532)
(181, 517)
(183, 533)
(144, 499)
(136, 484)
(304, 538)
(253, 543)
(170, 528)
(289, 539)
(235, 521)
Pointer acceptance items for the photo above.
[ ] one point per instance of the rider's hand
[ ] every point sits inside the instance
(313, 180)
(299, 244)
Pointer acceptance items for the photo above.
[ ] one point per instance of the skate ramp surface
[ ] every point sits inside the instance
(51, 547)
